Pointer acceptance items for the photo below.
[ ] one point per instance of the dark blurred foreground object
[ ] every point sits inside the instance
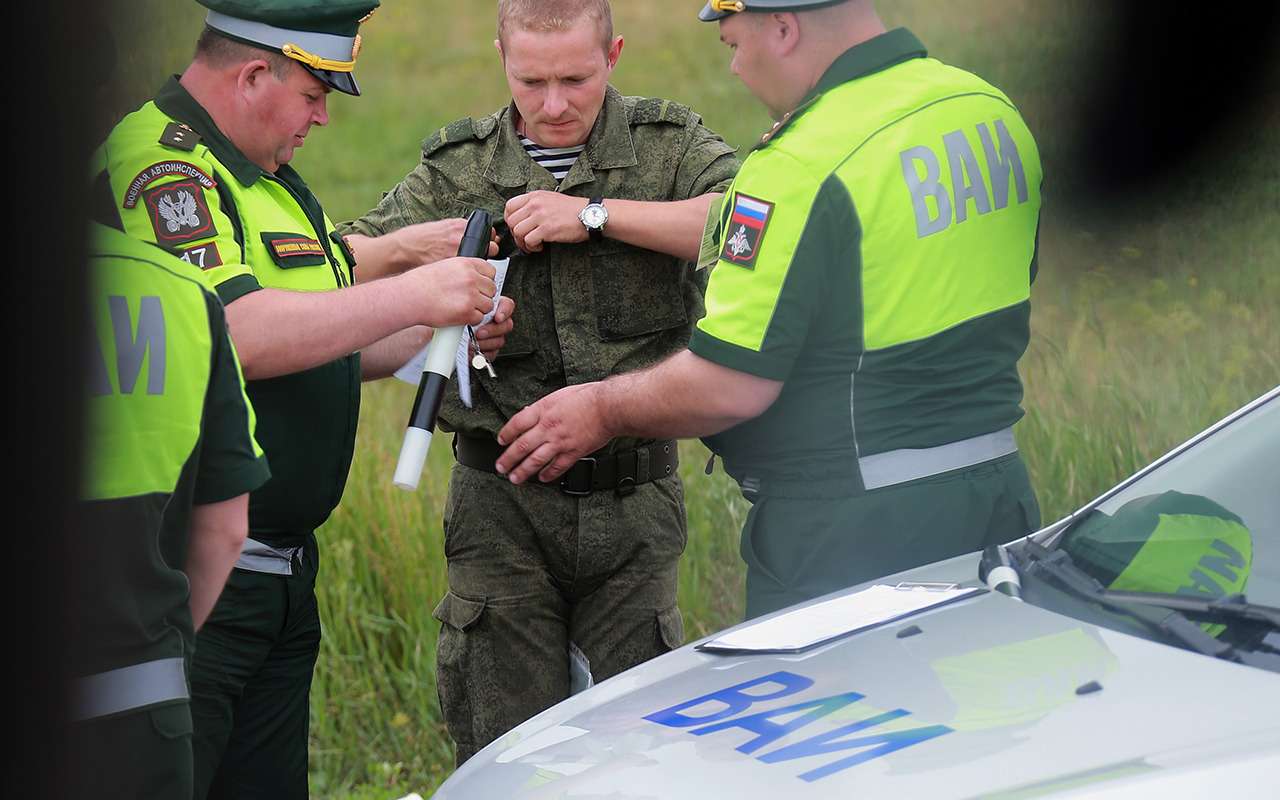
(44, 324)
(1175, 89)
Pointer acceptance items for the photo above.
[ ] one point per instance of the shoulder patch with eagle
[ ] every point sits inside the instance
(179, 213)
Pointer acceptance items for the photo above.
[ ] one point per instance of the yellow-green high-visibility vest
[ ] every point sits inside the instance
(168, 175)
(169, 426)
(876, 254)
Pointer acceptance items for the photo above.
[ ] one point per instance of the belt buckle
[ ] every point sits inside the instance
(590, 468)
(627, 480)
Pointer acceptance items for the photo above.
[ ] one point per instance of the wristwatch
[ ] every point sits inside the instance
(594, 217)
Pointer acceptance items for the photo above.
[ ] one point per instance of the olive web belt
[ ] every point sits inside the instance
(619, 472)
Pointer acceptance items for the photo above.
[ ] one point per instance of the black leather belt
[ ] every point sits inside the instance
(619, 472)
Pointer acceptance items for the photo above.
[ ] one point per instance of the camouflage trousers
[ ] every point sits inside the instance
(532, 570)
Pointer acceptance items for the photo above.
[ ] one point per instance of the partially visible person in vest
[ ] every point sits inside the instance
(857, 368)
(203, 170)
(602, 201)
(171, 459)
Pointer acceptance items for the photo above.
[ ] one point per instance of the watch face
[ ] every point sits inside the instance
(594, 216)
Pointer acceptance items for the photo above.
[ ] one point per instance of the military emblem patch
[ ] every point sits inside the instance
(161, 170)
(745, 231)
(179, 213)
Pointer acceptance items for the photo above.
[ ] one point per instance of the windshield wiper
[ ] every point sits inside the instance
(1218, 609)
(1058, 566)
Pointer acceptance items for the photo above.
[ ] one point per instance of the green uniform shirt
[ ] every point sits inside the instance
(169, 427)
(877, 252)
(166, 174)
(583, 311)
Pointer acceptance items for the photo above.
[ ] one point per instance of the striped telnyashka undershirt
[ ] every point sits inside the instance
(556, 160)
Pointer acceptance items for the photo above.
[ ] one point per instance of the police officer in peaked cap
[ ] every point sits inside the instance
(322, 36)
(857, 367)
(719, 9)
(204, 171)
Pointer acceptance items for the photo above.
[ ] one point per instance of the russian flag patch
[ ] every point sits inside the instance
(746, 229)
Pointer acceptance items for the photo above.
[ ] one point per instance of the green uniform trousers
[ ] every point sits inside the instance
(800, 547)
(251, 684)
(138, 755)
(531, 570)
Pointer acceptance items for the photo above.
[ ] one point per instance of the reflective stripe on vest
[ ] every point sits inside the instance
(900, 466)
(258, 557)
(128, 688)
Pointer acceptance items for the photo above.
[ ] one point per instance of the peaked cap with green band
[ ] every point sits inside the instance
(1170, 542)
(719, 9)
(322, 35)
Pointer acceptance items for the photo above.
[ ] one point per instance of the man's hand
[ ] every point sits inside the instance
(493, 336)
(428, 242)
(456, 291)
(540, 217)
(411, 246)
(546, 438)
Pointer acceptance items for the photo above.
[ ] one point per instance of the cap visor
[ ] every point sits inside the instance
(344, 82)
(709, 14)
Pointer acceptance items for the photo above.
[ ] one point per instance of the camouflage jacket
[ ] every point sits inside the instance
(583, 311)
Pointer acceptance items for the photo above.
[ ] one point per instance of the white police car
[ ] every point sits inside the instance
(1133, 668)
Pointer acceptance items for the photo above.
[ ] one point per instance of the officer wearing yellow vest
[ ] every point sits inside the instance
(171, 459)
(203, 170)
(857, 366)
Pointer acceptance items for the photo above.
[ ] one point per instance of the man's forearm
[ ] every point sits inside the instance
(218, 531)
(683, 397)
(408, 247)
(279, 332)
(377, 257)
(674, 228)
(381, 359)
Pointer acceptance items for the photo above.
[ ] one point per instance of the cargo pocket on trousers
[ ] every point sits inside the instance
(747, 548)
(671, 628)
(457, 615)
(172, 721)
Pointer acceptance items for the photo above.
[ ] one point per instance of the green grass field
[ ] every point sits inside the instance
(1148, 325)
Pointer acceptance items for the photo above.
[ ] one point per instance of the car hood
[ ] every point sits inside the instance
(991, 698)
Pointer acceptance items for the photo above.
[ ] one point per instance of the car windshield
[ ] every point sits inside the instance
(1206, 522)
(1187, 554)
(1202, 528)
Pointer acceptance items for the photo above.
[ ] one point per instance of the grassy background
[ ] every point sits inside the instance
(1150, 321)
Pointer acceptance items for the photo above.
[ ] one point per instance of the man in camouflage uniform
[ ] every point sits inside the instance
(591, 563)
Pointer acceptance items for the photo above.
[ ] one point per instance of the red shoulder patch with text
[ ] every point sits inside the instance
(300, 246)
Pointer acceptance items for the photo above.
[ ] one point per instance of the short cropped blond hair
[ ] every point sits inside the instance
(554, 15)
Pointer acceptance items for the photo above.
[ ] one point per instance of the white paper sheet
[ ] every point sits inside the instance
(411, 372)
(822, 622)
